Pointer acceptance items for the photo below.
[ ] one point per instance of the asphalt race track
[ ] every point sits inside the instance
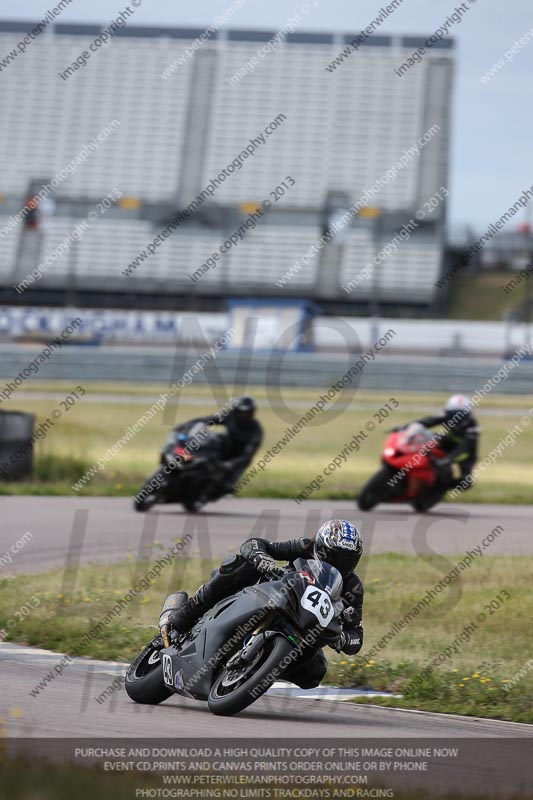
(68, 708)
(106, 529)
(85, 530)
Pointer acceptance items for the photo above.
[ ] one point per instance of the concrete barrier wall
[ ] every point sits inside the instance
(165, 328)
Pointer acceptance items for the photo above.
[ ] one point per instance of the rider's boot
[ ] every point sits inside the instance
(183, 618)
(233, 575)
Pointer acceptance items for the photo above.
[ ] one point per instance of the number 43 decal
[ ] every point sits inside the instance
(167, 670)
(318, 603)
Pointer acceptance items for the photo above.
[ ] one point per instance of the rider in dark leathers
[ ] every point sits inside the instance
(337, 542)
(244, 436)
(459, 441)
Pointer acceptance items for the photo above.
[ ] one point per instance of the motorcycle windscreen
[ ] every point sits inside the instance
(319, 593)
(325, 575)
(414, 438)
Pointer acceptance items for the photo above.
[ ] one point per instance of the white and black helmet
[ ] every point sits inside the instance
(339, 543)
(459, 408)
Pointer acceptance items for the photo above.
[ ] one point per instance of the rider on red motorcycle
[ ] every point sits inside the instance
(416, 466)
(459, 440)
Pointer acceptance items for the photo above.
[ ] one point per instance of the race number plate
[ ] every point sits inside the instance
(318, 603)
(167, 670)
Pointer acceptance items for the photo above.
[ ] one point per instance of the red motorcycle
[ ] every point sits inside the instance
(408, 474)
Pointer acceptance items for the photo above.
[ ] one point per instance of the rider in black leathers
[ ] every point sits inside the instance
(459, 441)
(244, 436)
(337, 542)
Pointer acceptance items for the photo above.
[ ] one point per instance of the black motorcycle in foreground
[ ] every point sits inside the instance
(245, 643)
(189, 471)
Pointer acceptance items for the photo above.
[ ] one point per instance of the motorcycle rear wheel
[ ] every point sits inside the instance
(231, 693)
(422, 504)
(192, 506)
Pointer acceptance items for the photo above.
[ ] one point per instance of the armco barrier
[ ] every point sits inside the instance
(165, 366)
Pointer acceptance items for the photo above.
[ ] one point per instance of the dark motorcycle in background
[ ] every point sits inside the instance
(245, 643)
(189, 471)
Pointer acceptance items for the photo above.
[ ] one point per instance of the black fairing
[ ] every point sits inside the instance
(221, 632)
(188, 480)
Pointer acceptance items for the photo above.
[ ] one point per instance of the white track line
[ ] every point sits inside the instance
(13, 652)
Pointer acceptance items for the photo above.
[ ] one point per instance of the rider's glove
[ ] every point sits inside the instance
(263, 562)
(339, 643)
(349, 615)
(350, 642)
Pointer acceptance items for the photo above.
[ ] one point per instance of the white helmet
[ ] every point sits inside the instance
(458, 407)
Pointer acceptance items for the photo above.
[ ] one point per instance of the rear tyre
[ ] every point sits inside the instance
(376, 490)
(144, 678)
(423, 504)
(235, 689)
(193, 506)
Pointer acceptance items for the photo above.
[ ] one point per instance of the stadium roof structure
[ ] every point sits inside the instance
(229, 34)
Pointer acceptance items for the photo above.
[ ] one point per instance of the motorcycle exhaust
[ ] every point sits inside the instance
(173, 601)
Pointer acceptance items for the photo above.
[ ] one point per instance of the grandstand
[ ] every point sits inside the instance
(161, 136)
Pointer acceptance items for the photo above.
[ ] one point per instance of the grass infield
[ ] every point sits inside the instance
(87, 430)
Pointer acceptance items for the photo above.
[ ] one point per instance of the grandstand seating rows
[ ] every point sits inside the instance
(47, 121)
(341, 132)
(265, 256)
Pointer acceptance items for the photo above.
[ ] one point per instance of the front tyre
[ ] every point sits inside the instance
(144, 678)
(145, 504)
(376, 490)
(151, 491)
(234, 689)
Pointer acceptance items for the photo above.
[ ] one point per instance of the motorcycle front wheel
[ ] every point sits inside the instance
(144, 678)
(234, 689)
(376, 490)
(151, 496)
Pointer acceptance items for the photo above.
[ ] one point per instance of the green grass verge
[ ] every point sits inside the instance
(473, 681)
(85, 433)
(481, 297)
